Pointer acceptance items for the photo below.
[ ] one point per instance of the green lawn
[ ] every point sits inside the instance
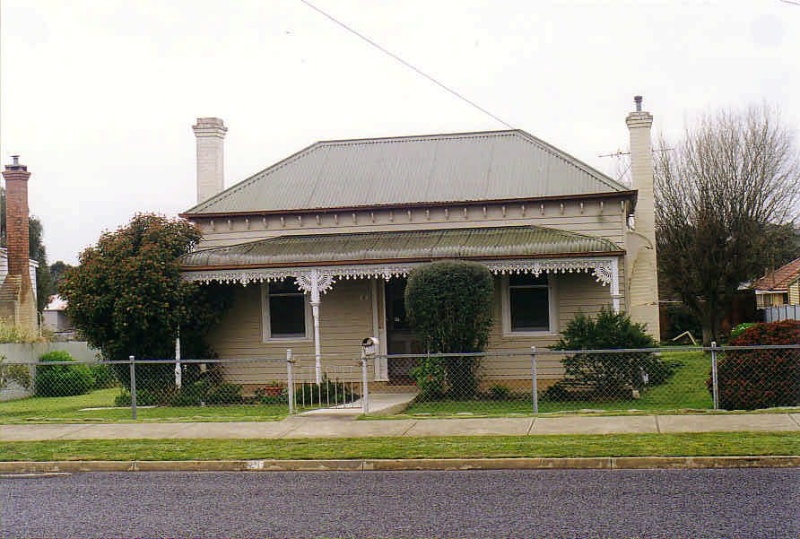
(555, 446)
(686, 389)
(74, 409)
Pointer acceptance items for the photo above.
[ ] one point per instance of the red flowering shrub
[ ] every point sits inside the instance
(127, 298)
(763, 378)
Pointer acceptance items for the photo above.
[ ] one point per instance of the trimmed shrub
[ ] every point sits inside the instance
(752, 379)
(608, 374)
(449, 306)
(430, 376)
(62, 380)
(104, 376)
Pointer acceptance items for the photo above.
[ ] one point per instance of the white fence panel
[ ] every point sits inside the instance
(782, 312)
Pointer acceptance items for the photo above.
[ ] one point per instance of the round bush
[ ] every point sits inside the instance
(62, 380)
(609, 374)
(761, 378)
(449, 307)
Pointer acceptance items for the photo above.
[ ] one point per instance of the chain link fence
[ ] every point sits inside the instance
(658, 379)
(503, 384)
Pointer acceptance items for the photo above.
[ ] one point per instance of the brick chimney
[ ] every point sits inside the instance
(17, 298)
(210, 134)
(642, 271)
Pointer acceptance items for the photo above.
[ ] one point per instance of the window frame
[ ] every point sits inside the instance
(506, 310)
(266, 326)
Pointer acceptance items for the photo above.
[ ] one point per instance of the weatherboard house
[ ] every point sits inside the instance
(316, 248)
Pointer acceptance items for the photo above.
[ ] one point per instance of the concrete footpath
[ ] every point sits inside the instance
(345, 426)
(342, 423)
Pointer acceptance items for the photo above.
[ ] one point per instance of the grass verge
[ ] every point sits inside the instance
(98, 406)
(555, 446)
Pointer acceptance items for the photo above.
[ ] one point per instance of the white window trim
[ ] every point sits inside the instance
(265, 320)
(505, 307)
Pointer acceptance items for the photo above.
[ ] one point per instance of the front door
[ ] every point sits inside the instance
(399, 337)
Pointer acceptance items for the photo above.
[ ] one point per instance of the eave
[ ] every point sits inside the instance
(619, 195)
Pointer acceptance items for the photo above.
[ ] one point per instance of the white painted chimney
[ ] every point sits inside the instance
(639, 125)
(642, 270)
(210, 133)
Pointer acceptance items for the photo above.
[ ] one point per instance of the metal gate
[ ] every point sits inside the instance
(338, 386)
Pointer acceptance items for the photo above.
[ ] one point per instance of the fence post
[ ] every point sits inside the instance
(364, 384)
(290, 380)
(133, 386)
(714, 380)
(534, 382)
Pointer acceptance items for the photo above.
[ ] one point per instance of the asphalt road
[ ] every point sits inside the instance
(741, 503)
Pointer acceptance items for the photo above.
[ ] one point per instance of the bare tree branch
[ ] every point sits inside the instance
(723, 197)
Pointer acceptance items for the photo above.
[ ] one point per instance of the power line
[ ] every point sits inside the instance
(408, 65)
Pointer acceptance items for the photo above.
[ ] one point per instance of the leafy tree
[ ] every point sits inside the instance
(57, 270)
(44, 284)
(725, 198)
(786, 246)
(127, 297)
(449, 305)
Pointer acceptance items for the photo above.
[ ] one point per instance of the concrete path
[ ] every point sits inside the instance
(345, 426)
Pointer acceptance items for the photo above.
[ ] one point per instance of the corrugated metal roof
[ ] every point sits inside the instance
(462, 167)
(369, 247)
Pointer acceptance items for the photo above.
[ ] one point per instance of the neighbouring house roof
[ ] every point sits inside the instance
(402, 246)
(415, 170)
(780, 279)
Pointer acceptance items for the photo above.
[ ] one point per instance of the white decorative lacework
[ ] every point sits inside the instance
(604, 270)
(319, 280)
(243, 277)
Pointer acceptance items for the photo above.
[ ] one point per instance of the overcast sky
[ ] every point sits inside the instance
(98, 96)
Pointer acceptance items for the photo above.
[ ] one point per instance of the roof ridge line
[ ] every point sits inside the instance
(428, 136)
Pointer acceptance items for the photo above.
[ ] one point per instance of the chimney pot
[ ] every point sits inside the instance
(638, 100)
(15, 166)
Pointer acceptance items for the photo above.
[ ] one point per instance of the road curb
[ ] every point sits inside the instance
(267, 465)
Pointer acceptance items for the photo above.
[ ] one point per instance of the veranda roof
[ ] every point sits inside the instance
(512, 242)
